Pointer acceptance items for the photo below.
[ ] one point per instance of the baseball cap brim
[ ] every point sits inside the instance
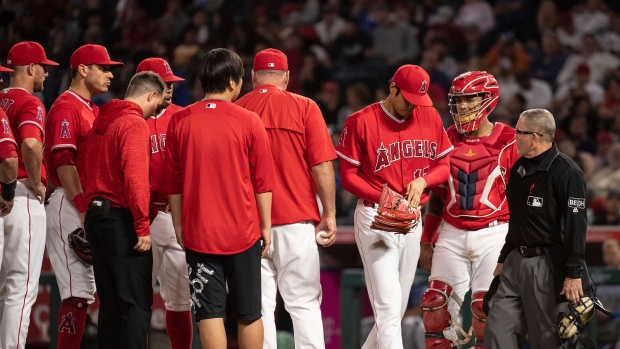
(173, 78)
(419, 100)
(110, 63)
(5, 70)
(48, 62)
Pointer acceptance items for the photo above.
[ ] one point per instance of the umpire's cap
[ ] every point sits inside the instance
(413, 83)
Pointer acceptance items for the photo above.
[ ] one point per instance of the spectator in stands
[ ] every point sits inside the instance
(611, 216)
(611, 249)
(395, 43)
(329, 103)
(566, 33)
(599, 62)
(580, 87)
(352, 47)
(610, 107)
(358, 96)
(608, 177)
(430, 63)
(604, 140)
(610, 40)
(508, 54)
(583, 159)
(478, 13)
(537, 93)
(547, 17)
(330, 27)
(577, 126)
(549, 60)
(593, 19)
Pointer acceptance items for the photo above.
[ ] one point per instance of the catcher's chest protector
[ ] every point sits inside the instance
(477, 184)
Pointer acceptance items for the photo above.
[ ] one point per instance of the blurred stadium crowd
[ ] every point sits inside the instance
(562, 55)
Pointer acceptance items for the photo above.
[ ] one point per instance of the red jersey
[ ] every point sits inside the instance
(299, 139)
(479, 170)
(117, 160)
(158, 125)
(8, 147)
(26, 116)
(68, 122)
(390, 150)
(218, 157)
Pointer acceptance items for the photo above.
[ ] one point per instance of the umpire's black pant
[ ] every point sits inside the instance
(123, 280)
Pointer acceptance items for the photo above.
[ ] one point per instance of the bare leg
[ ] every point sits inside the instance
(250, 334)
(213, 334)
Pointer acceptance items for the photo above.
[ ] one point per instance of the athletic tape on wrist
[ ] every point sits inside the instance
(8, 190)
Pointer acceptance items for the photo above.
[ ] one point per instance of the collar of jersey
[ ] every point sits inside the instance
(160, 113)
(400, 121)
(80, 98)
(14, 88)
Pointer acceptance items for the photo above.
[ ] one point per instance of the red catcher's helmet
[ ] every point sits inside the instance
(476, 83)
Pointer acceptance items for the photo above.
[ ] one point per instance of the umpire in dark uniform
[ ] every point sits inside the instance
(541, 265)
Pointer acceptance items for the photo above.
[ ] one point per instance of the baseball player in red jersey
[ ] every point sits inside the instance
(303, 159)
(169, 265)
(399, 141)
(8, 167)
(474, 207)
(219, 167)
(68, 121)
(24, 233)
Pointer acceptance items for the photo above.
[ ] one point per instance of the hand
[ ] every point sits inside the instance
(40, 190)
(178, 231)
(144, 244)
(6, 206)
(426, 256)
(572, 290)
(498, 269)
(415, 188)
(328, 225)
(265, 232)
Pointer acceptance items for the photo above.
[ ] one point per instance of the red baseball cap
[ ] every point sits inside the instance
(159, 66)
(92, 54)
(5, 70)
(28, 52)
(413, 82)
(270, 59)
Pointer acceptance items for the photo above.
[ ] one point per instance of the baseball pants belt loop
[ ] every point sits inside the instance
(529, 252)
(369, 204)
(496, 223)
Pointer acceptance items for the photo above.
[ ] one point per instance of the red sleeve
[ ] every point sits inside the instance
(356, 185)
(135, 162)
(61, 133)
(172, 162)
(30, 121)
(318, 142)
(261, 160)
(509, 157)
(349, 146)
(8, 147)
(439, 174)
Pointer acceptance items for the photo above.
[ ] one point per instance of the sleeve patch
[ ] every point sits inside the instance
(577, 203)
(64, 129)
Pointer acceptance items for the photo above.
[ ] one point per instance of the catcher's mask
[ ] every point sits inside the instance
(573, 323)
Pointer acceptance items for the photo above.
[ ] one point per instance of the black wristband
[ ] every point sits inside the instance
(8, 190)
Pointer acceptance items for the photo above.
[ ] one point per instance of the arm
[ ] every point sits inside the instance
(176, 210)
(32, 153)
(439, 174)
(356, 185)
(432, 221)
(263, 201)
(8, 177)
(325, 184)
(70, 181)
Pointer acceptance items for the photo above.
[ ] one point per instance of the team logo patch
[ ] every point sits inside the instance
(211, 105)
(271, 65)
(198, 283)
(40, 114)
(577, 203)
(262, 90)
(469, 153)
(343, 135)
(167, 68)
(67, 324)
(424, 87)
(534, 201)
(7, 128)
(64, 129)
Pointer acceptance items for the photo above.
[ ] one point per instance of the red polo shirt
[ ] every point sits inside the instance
(218, 157)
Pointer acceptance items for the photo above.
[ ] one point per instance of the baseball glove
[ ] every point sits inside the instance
(394, 213)
(80, 246)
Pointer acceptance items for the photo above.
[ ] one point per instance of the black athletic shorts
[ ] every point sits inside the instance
(208, 274)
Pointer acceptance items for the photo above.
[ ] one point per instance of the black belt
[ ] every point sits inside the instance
(529, 252)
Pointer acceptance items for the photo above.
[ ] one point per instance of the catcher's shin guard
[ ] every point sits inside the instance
(435, 314)
(479, 318)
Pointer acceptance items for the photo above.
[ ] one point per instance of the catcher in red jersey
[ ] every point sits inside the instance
(169, 266)
(24, 228)
(473, 205)
(400, 142)
(69, 120)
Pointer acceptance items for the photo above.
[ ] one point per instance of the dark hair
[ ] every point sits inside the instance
(145, 82)
(217, 68)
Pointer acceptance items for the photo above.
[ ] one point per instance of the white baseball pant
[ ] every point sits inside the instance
(390, 262)
(24, 245)
(467, 257)
(75, 278)
(169, 264)
(292, 266)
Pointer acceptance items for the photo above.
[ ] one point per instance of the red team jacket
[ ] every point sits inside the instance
(68, 122)
(117, 160)
(8, 147)
(158, 125)
(299, 136)
(218, 157)
(479, 168)
(26, 116)
(393, 151)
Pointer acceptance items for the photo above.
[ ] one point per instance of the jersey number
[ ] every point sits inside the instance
(157, 146)
(420, 172)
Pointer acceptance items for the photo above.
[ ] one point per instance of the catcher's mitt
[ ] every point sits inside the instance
(394, 213)
(80, 246)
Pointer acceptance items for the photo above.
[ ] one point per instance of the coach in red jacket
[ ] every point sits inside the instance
(117, 150)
